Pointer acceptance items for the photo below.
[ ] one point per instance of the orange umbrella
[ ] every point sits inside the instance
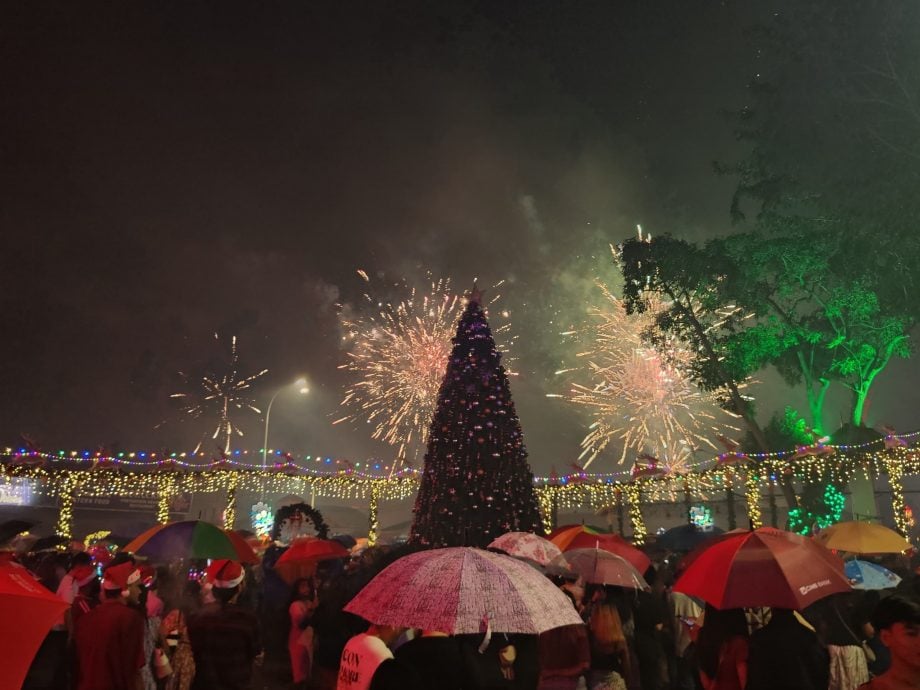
(561, 536)
(29, 611)
(301, 557)
(580, 537)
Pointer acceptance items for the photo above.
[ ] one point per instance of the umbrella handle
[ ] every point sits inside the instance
(487, 638)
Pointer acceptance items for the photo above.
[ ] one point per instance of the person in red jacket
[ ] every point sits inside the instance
(109, 639)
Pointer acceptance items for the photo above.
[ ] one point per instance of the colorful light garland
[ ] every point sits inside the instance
(162, 475)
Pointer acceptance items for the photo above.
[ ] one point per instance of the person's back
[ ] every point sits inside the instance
(436, 659)
(109, 639)
(897, 620)
(362, 655)
(225, 643)
(785, 654)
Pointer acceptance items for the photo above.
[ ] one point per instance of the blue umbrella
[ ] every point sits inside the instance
(866, 575)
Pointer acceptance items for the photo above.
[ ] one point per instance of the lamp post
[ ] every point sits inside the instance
(301, 385)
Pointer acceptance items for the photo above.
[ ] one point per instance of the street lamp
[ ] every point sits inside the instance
(301, 386)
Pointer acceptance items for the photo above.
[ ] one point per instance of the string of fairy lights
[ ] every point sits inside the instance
(163, 475)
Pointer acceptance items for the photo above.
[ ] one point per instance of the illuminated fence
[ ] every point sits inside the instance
(69, 475)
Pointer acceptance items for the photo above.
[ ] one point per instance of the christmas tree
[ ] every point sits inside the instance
(476, 484)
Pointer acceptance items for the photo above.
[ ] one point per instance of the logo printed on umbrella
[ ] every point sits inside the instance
(813, 586)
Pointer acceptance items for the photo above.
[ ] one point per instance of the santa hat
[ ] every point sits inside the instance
(225, 573)
(148, 574)
(120, 576)
(83, 574)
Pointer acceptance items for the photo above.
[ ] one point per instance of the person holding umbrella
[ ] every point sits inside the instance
(300, 637)
(722, 649)
(786, 654)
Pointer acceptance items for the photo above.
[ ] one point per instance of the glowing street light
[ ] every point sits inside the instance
(301, 386)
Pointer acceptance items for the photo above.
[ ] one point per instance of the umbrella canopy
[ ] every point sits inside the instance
(50, 543)
(12, 528)
(561, 536)
(685, 537)
(862, 537)
(29, 611)
(866, 575)
(527, 545)
(301, 557)
(191, 539)
(597, 566)
(614, 543)
(766, 567)
(701, 548)
(457, 590)
(346, 540)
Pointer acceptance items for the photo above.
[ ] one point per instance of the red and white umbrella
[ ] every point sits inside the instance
(463, 590)
(527, 545)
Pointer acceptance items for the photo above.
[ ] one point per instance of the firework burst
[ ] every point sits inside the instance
(638, 394)
(218, 395)
(398, 354)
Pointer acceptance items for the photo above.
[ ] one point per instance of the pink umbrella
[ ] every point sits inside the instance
(601, 567)
(462, 590)
(527, 545)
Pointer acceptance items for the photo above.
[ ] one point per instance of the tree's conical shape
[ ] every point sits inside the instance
(477, 483)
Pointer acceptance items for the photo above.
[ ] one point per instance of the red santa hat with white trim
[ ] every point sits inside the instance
(225, 573)
(120, 576)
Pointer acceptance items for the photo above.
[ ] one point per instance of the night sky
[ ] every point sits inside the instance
(175, 169)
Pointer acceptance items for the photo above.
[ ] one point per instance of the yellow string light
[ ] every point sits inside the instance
(633, 496)
(373, 520)
(752, 494)
(161, 480)
(895, 472)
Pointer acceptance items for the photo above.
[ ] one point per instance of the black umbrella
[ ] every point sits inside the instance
(48, 543)
(345, 540)
(11, 528)
(685, 537)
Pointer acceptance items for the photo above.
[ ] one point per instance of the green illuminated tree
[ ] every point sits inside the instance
(818, 310)
(828, 187)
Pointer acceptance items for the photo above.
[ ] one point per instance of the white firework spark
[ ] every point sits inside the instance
(638, 394)
(219, 395)
(398, 352)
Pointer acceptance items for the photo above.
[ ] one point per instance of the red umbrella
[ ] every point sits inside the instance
(691, 556)
(613, 543)
(766, 567)
(29, 611)
(301, 557)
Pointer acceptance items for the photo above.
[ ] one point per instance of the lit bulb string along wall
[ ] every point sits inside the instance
(162, 475)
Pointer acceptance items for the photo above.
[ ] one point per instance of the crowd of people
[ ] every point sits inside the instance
(225, 625)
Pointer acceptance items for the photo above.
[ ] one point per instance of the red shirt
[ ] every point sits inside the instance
(109, 643)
